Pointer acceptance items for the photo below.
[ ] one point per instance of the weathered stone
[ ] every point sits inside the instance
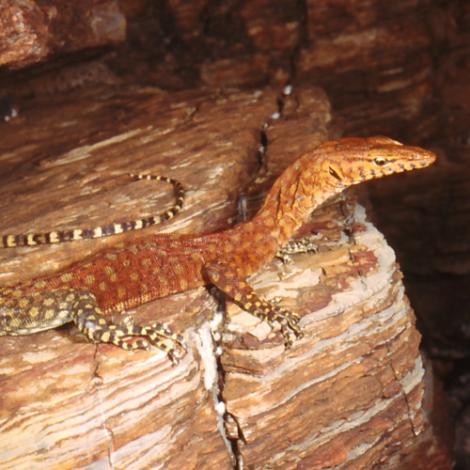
(31, 31)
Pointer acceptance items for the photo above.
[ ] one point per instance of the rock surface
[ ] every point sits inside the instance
(31, 31)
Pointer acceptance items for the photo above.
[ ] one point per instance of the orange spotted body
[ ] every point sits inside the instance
(159, 265)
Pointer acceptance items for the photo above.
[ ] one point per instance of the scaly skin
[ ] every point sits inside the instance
(160, 265)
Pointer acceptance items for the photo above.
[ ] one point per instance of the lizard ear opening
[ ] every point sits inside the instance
(334, 173)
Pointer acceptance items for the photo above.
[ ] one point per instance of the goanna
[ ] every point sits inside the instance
(159, 265)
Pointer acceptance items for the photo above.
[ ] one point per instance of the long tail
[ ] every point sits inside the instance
(61, 236)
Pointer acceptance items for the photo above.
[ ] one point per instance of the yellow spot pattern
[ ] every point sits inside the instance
(33, 312)
(49, 314)
(23, 303)
(67, 277)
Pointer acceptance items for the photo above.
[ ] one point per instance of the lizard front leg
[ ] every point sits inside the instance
(226, 279)
(307, 244)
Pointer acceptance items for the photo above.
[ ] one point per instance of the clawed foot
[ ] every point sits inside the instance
(158, 335)
(176, 353)
(288, 322)
(284, 257)
(307, 244)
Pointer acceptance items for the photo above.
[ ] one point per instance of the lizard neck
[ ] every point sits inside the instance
(291, 199)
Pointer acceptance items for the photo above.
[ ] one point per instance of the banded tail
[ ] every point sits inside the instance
(62, 236)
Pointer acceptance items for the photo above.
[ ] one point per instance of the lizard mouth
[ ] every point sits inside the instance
(421, 163)
(424, 159)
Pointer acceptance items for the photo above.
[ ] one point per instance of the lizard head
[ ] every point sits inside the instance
(353, 160)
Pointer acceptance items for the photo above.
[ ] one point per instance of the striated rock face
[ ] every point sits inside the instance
(72, 407)
(374, 58)
(31, 31)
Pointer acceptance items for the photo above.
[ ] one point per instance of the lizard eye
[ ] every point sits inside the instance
(380, 161)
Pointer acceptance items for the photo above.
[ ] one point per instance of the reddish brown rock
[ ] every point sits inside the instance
(32, 31)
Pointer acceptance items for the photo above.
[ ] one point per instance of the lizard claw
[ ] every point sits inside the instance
(156, 334)
(165, 331)
(175, 355)
(289, 325)
(160, 334)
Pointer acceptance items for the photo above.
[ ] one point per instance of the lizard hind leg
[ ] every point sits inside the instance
(226, 279)
(96, 327)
